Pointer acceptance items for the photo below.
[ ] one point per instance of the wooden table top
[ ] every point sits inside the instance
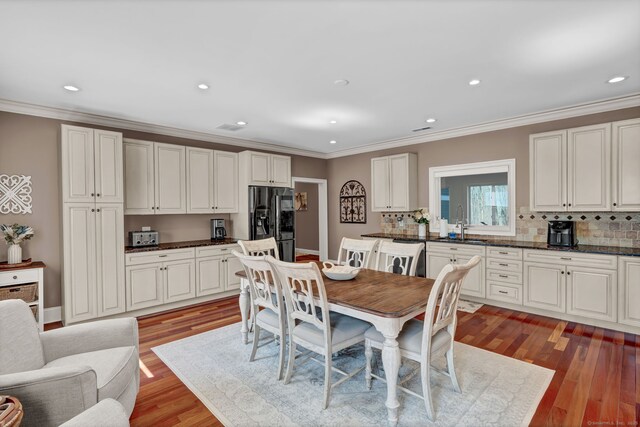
(10, 267)
(379, 293)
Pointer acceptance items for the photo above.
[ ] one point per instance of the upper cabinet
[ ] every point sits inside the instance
(394, 182)
(155, 181)
(625, 169)
(586, 169)
(212, 181)
(91, 165)
(271, 170)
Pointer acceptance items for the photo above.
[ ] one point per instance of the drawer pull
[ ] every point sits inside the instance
(503, 264)
(224, 249)
(15, 277)
(503, 253)
(161, 256)
(454, 249)
(503, 292)
(566, 258)
(504, 276)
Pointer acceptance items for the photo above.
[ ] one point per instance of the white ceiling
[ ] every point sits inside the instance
(273, 63)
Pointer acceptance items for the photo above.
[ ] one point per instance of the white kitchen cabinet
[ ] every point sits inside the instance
(394, 181)
(91, 165)
(139, 178)
(212, 181)
(625, 170)
(225, 181)
(144, 286)
(170, 186)
(589, 168)
(629, 291)
(441, 254)
(547, 171)
(93, 251)
(272, 170)
(210, 275)
(179, 279)
(592, 293)
(233, 265)
(436, 262)
(545, 286)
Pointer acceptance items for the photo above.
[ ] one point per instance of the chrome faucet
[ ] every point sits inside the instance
(460, 220)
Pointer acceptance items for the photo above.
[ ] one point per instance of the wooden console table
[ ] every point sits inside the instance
(33, 273)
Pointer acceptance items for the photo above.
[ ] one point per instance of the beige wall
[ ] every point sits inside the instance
(31, 146)
(504, 144)
(307, 221)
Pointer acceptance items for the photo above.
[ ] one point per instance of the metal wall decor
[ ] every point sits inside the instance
(15, 194)
(353, 203)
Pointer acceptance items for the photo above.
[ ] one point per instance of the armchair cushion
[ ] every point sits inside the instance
(20, 347)
(113, 367)
(106, 413)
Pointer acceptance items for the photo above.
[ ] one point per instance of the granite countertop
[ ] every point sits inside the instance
(589, 249)
(181, 245)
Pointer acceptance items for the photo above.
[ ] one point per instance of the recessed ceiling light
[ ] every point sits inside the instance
(241, 123)
(333, 141)
(430, 120)
(617, 79)
(71, 88)
(333, 122)
(341, 82)
(474, 82)
(203, 86)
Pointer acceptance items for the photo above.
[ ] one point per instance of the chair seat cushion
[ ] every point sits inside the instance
(268, 317)
(114, 368)
(343, 329)
(410, 338)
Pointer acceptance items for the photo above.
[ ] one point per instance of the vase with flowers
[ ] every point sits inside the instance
(14, 235)
(422, 217)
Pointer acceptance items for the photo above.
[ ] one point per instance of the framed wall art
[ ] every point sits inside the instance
(15, 194)
(353, 203)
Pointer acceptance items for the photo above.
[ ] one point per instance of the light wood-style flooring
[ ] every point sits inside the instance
(597, 380)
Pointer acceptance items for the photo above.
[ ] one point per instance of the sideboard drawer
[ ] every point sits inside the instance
(506, 265)
(206, 251)
(159, 256)
(18, 276)
(504, 292)
(504, 253)
(455, 248)
(571, 258)
(505, 276)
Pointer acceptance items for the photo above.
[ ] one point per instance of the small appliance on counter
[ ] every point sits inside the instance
(218, 231)
(562, 233)
(143, 238)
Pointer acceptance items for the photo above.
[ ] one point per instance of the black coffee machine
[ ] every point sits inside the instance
(218, 230)
(562, 233)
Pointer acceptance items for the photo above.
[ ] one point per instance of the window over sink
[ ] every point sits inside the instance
(482, 194)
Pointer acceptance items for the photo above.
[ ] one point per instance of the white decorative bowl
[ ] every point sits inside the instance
(339, 272)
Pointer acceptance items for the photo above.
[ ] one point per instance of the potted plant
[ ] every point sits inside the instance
(14, 235)
(422, 217)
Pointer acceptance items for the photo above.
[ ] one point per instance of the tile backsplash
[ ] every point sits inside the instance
(593, 228)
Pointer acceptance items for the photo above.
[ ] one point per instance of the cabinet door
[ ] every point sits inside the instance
(110, 259)
(170, 181)
(474, 282)
(78, 174)
(592, 293)
(179, 280)
(225, 181)
(436, 262)
(629, 291)
(380, 182)
(399, 182)
(547, 173)
(544, 286)
(200, 180)
(144, 286)
(626, 173)
(108, 166)
(209, 275)
(139, 183)
(259, 169)
(233, 265)
(280, 171)
(589, 168)
(79, 274)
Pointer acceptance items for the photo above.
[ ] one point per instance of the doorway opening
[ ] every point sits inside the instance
(311, 218)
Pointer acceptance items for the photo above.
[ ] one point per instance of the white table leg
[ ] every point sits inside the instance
(391, 363)
(244, 302)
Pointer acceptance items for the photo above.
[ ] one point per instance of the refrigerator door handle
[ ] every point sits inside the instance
(278, 233)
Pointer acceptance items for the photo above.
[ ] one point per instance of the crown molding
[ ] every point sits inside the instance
(528, 119)
(96, 119)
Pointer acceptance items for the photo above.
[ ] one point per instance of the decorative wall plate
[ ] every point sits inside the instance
(353, 203)
(15, 194)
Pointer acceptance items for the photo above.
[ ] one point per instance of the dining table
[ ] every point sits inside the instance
(386, 300)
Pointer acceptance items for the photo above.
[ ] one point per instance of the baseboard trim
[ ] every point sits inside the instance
(307, 251)
(52, 314)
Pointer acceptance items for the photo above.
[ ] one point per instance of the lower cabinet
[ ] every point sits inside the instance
(144, 286)
(179, 280)
(440, 254)
(629, 291)
(592, 293)
(217, 274)
(544, 286)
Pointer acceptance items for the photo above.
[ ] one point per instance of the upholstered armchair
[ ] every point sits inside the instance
(58, 374)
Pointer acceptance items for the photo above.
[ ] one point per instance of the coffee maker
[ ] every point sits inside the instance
(218, 231)
(561, 233)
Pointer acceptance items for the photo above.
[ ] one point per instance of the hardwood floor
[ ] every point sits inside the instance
(597, 379)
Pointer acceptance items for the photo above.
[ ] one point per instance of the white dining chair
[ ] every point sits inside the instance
(399, 256)
(310, 323)
(422, 341)
(356, 252)
(266, 293)
(260, 247)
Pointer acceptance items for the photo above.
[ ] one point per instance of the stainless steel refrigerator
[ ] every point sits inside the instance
(272, 214)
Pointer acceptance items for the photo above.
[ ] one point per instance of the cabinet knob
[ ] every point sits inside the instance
(15, 277)
(568, 273)
(92, 194)
(93, 210)
(98, 194)
(564, 204)
(562, 272)
(153, 207)
(97, 210)
(569, 204)
(615, 204)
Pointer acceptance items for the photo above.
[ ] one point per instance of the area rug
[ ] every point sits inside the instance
(496, 390)
(469, 306)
